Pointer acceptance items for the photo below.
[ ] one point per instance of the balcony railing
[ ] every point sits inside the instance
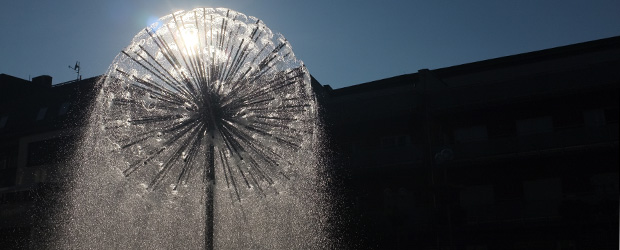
(566, 139)
(585, 205)
(375, 157)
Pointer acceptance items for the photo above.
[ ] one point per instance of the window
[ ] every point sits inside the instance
(611, 115)
(575, 184)
(594, 118)
(64, 107)
(7, 159)
(3, 121)
(566, 245)
(542, 190)
(51, 151)
(542, 197)
(471, 134)
(567, 119)
(41, 114)
(394, 141)
(501, 128)
(605, 183)
(536, 125)
(478, 202)
(477, 196)
(40, 175)
(4, 161)
(508, 189)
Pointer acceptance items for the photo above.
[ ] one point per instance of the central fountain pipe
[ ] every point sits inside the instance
(209, 179)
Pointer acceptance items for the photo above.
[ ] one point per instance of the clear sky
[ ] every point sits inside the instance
(341, 42)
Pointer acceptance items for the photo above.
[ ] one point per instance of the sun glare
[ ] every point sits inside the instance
(190, 40)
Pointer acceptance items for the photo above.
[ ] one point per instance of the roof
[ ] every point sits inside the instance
(27, 108)
(551, 56)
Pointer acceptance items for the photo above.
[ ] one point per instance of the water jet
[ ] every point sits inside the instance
(205, 110)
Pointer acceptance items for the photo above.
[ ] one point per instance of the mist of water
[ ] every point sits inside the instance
(199, 87)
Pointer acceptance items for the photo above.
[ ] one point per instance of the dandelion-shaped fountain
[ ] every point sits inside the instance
(207, 99)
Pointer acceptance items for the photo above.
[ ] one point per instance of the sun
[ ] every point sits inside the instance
(190, 40)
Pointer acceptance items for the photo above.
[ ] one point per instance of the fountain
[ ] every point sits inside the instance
(204, 134)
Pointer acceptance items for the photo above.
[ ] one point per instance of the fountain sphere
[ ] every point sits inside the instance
(205, 110)
(208, 77)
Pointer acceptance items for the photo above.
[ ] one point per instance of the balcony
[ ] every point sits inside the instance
(377, 157)
(591, 206)
(564, 140)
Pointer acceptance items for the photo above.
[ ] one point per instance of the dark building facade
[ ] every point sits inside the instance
(518, 152)
(39, 125)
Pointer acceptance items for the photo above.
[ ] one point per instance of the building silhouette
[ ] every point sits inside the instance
(517, 152)
(39, 127)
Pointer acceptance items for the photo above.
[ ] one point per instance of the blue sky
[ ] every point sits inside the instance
(342, 43)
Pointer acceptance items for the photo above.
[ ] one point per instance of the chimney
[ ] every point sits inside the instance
(43, 81)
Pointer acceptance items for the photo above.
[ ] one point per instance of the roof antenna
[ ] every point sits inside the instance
(76, 68)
